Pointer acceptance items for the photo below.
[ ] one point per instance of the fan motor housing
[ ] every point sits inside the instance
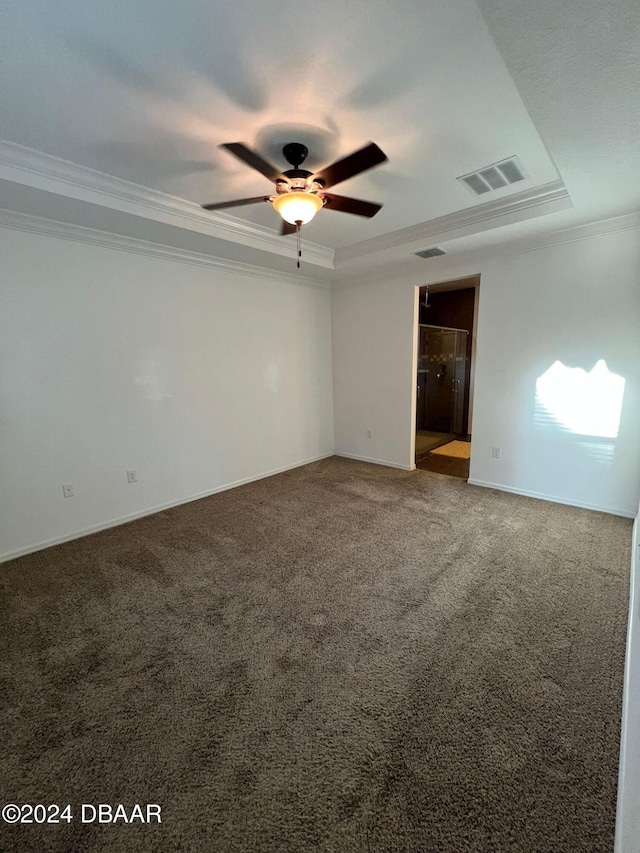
(297, 173)
(298, 180)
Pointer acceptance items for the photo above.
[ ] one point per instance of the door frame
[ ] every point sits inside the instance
(463, 283)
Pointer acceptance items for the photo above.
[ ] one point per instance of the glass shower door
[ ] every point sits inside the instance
(442, 361)
(458, 382)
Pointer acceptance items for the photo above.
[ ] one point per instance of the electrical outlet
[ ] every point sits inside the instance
(369, 433)
(496, 452)
(67, 490)
(132, 476)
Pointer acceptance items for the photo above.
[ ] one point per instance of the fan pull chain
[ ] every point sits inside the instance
(298, 224)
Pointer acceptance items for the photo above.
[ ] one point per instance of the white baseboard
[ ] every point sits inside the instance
(374, 461)
(541, 496)
(627, 817)
(124, 519)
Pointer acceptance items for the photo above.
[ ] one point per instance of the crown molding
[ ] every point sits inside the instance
(79, 234)
(585, 231)
(547, 198)
(468, 262)
(42, 171)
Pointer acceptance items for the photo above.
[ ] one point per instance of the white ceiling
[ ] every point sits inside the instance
(146, 90)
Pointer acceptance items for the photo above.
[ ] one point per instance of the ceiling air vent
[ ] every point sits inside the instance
(431, 253)
(494, 177)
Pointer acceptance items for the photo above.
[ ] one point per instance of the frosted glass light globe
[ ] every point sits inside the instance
(297, 206)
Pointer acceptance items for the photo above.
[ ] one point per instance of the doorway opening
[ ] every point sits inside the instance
(445, 342)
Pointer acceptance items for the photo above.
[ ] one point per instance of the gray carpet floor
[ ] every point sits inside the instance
(344, 657)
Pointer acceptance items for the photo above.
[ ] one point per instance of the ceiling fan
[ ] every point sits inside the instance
(300, 194)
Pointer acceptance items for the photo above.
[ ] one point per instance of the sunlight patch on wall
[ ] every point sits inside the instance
(587, 404)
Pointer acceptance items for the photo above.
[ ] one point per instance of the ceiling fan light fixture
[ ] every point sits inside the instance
(297, 206)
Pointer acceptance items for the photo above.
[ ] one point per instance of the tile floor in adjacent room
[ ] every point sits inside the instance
(452, 466)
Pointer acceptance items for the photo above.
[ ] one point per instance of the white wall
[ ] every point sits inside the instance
(374, 371)
(196, 377)
(576, 302)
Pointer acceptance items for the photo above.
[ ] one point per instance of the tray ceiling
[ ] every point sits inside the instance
(146, 91)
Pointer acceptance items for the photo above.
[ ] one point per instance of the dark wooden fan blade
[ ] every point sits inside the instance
(287, 228)
(351, 205)
(252, 159)
(354, 164)
(235, 203)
